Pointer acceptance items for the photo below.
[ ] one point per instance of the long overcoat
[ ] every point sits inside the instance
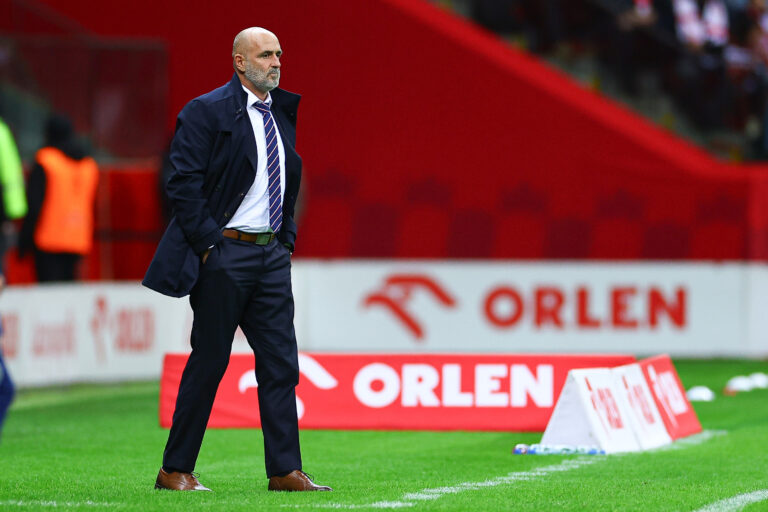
(214, 157)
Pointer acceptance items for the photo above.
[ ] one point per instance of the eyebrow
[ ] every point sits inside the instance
(270, 52)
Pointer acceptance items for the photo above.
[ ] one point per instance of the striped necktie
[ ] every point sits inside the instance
(273, 168)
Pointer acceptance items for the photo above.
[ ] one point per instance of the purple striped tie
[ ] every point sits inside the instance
(273, 168)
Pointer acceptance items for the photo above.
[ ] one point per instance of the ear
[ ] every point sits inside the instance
(240, 62)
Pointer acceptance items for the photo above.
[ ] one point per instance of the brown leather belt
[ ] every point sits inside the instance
(255, 238)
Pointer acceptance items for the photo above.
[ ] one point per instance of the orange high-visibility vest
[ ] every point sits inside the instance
(66, 218)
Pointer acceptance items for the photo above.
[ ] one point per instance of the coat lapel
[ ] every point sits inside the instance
(242, 132)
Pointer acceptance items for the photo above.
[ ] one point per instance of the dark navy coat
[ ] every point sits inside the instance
(214, 156)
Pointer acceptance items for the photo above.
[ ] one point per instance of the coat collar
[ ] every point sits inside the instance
(284, 100)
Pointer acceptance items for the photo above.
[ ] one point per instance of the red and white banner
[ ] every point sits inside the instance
(86, 332)
(633, 407)
(591, 411)
(414, 391)
(642, 412)
(669, 394)
(681, 309)
(108, 331)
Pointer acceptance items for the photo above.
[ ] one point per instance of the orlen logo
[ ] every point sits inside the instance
(540, 307)
(495, 385)
(308, 366)
(132, 329)
(398, 290)
(667, 391)
(559, 307)
(638, 400)
(605, 406)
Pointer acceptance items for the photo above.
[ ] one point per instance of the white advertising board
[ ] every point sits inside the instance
(591, 412)
(642, 413)
(100, 332)
(110, 331)
(423, 306)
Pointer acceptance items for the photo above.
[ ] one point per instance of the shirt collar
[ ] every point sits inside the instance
(252, 98)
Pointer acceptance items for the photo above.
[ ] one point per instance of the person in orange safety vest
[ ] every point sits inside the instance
(61, 194)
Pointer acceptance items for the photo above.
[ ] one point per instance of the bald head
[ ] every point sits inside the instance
(246, 38)
(256, 58)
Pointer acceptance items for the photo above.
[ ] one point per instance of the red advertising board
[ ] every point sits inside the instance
(668, 393)
(501, 392)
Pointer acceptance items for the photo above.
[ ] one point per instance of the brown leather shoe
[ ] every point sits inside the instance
(175, 481)
(296, 480)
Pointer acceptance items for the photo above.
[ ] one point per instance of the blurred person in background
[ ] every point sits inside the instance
(11, 188)
(6, 386)
(234, 186)
(702, 28)
(61, 194)
(745, 76)
(637, 39)
(755, 18)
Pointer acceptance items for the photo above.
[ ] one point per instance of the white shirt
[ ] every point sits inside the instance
(253, 214)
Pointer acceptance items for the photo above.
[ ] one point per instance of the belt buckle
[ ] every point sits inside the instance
(264, 238)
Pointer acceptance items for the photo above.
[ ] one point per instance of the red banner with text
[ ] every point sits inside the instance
(399, 391)
(669, 394)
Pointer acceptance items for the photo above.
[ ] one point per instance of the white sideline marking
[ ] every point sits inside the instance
(434, 493)
(735, 503)
(438, 492)
(694, 440)
(53, 504)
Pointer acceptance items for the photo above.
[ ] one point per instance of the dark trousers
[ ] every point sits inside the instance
(247, 285)
(6, 391)
(55, 266)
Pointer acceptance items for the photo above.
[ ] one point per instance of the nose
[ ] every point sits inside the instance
(275, 61)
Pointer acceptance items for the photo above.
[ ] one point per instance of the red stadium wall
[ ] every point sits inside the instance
(423, 136)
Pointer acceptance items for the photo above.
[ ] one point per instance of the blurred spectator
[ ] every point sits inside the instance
(639, 37)
(6, 385)
(747, 83)
(11, 187)
(61, 194)
(538, 21)
(710, 56)
(701, 23)
(702, 89)
(755, 82)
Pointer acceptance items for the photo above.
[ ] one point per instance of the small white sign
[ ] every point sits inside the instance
(642, 412)
(591, 412)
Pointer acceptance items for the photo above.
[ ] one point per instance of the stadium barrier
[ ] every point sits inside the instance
(116, 331)
(399, 392)
(629, 408)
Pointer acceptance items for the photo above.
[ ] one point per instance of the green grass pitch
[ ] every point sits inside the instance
(99, 448)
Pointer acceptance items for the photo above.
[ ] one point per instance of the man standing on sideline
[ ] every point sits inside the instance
(233, 189)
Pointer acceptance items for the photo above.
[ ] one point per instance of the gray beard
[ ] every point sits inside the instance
(261, 79)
